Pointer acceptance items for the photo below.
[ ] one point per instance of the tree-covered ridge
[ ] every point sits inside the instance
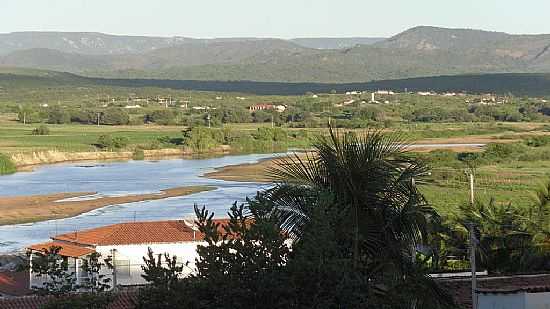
(417, 52)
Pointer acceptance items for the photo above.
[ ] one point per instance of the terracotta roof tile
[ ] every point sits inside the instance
(14, 283)
(67, 249)
(134, 233)
(123, 300)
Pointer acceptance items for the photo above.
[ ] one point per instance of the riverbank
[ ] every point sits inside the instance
(26, 161)
(34, 208)
(257, 172)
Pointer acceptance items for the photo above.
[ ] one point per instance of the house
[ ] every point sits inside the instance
(280, 108)
(385, 92)
(260, 107)
(126, 244)
(500, 292)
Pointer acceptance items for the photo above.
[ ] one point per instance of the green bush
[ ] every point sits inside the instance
(106, 141)
(202, 139)
(115, 116)
(6, 165)
(41, 130)
(58, 115)
(538, 141)
(139, 154)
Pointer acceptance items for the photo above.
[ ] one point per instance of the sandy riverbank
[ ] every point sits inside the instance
(25, 161)
(257, 172)
(25, 209)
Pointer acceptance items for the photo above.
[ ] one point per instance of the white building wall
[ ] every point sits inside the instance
(129, 259)
(502, 301)
(537, 301)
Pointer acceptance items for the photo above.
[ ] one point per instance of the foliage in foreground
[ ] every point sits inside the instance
(352, 238)
(61, 286)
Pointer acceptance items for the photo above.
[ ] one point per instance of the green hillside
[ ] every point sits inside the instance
(32, 80)
(418, 52)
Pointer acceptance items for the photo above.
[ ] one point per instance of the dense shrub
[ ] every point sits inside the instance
(58, 115)
(115, 116)
(138, 154)
(41, 130)
(107, 141)
(162, 116)
(538, 141)
(6, 165)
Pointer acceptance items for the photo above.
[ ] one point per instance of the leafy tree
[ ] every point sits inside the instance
(115, 116)
(107, 141)
(58, 280)
(96, 281)
(163, 117)
(28, 114)
(58, 115)
(162, 273)
(202, 139)
(370, 178)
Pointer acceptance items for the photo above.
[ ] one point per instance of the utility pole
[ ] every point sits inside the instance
(473, 243)
(471, 178)
(272, 123)
(98, 117)
(113, 256)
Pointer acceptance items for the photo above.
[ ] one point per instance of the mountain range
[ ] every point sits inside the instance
(417, 52)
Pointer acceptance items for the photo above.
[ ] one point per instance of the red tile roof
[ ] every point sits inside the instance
(67, 249)
(14, 283)
(134, 233)
(123, 300)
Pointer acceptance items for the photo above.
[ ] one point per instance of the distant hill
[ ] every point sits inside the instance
(87, 43)
(517, 84)
(417, 52)
(335, 43)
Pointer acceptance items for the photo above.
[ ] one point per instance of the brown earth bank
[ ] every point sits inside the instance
(25, 161)
(26, 209)
(257, 172)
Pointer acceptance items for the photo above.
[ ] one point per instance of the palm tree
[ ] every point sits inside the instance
(373, 181)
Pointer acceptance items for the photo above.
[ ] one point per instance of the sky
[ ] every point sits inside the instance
(275, 18)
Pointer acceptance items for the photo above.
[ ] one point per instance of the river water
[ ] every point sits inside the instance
(123, 178)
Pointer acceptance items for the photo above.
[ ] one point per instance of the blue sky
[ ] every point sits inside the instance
(275, 18)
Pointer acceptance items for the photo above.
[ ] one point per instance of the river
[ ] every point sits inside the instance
(123, 178)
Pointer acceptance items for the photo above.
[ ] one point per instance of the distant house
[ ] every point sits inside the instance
(202, 107)
(260, 107)
(385, 92)
(132, 106)
(126, 244)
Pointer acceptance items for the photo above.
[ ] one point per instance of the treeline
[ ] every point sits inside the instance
(480, 113)
(60, 115)
(203, 139)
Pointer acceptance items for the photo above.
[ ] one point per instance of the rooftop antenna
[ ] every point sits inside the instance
(191, 225)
